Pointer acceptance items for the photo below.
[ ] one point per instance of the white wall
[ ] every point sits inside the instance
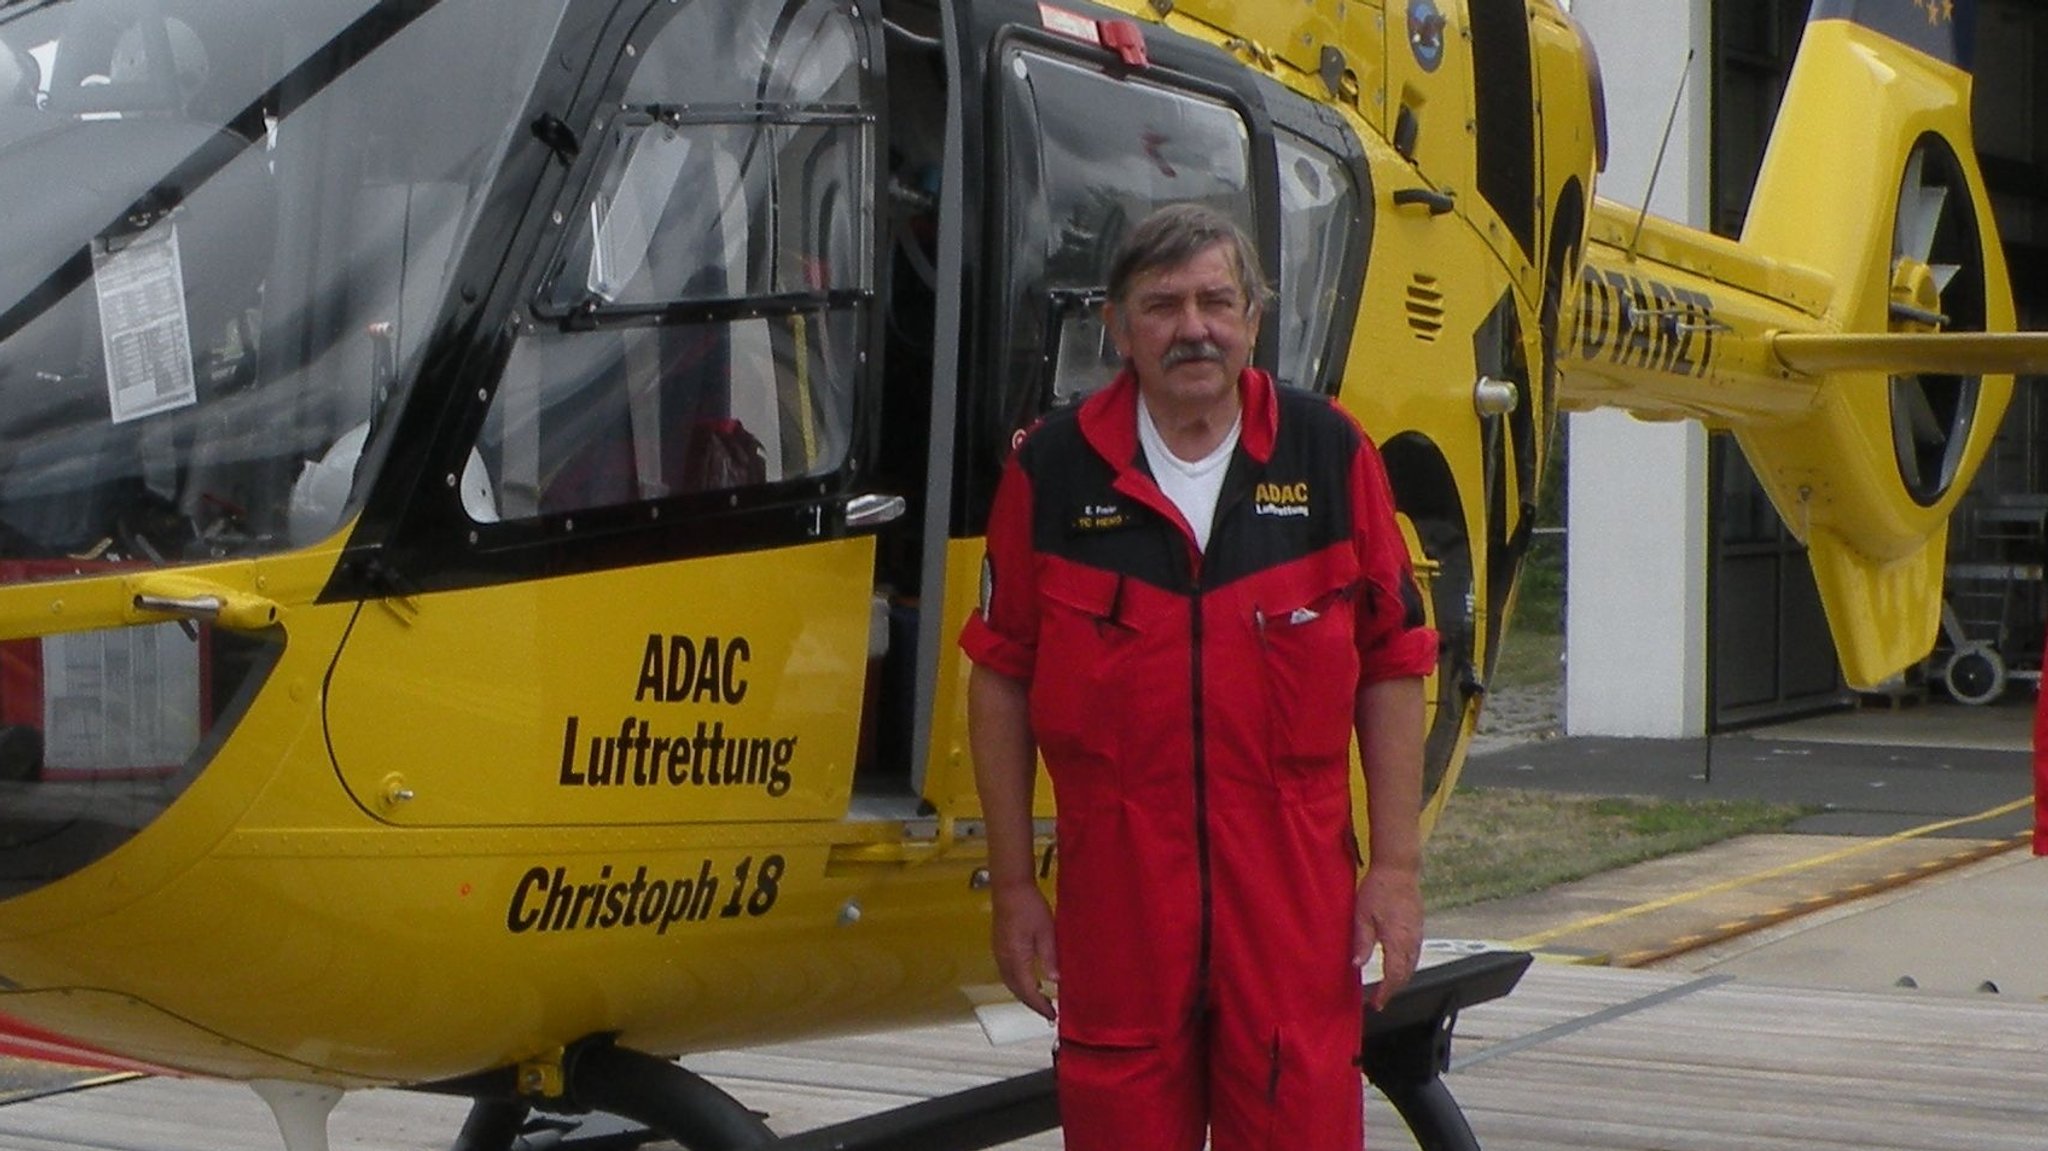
(1636, 567)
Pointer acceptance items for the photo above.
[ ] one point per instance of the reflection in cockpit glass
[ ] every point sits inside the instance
(101, 730)
(228, 231)
(200, 334)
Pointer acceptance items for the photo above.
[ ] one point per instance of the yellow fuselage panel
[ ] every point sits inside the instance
(1567, 148)
(1341, 38)
(1667, 336)
(1296, 32)
(1855, 166)
(711, 690)
(403, 955)
(274, 760)
(1677, 323)
(949, 768)
(1861, 167)
(451, 899)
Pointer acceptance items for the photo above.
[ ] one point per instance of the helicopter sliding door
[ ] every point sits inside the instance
(1091, 120)
(1084, 144)
(655, 606)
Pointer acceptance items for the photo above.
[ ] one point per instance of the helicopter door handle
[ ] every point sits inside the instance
(185, 597)
(874, 510)
(1437, 202)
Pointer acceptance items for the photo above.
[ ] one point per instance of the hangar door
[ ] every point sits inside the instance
(1769, 655)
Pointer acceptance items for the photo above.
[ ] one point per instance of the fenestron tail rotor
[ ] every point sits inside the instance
(1857, 341)
(1937, 285)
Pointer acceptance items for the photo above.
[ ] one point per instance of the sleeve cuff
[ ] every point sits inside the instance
(1409, 653)
(988, 648)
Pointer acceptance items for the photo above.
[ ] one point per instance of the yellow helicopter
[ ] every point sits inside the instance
(486, 499)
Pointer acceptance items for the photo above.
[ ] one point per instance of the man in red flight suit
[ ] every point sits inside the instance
(2041, 774)
(1195, 592)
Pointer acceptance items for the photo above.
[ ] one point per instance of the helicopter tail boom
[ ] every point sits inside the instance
(1856, 340)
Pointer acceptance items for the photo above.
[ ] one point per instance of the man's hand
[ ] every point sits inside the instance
(1388, 913)
(1023, 944)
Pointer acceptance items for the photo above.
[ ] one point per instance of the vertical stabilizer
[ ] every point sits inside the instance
(1872, 179)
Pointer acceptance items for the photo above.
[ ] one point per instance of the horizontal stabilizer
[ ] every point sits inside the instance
(1935, 353)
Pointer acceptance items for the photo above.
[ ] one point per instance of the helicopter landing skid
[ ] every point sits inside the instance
(1407, 1050)
(1408, 1045)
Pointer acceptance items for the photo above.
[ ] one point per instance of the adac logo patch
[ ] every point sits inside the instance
(1270, 499)
(1099, 518)
(1426, 33)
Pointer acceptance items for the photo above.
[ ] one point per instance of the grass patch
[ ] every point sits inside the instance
(1496, 842)
(1529, 658)
(1531, 651)
(1540, 591)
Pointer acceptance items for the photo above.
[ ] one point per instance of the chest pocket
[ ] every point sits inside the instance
(1087, 642)
(1310, 660)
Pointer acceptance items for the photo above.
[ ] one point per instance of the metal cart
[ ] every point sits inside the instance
(1992, 615)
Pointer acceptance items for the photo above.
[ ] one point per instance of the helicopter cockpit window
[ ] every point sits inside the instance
(230, 228)
(1319, 210)
(1088, 156)
(700, 327)
(775, 220)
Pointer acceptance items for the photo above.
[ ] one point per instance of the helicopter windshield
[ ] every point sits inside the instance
(229, 229)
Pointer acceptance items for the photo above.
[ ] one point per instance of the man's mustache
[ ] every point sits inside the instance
(1190, 351)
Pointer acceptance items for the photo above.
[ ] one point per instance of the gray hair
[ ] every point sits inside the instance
(1177, 233)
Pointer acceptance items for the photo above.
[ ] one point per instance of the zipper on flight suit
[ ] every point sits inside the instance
(1232, 495)
(1200, 763)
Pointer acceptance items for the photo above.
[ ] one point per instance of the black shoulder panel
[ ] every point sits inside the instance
(1079, 515)
(1298, 504)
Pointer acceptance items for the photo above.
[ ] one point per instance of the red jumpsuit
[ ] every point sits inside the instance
(1195, 711)
(2041, 773)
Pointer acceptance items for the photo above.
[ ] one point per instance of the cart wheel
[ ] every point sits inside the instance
(1976, 674)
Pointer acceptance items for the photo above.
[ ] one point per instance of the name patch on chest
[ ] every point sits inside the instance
(1099, 518)
(1271, 499)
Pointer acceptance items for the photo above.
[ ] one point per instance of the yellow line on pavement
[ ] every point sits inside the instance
(1812, 903)
(1538, 939)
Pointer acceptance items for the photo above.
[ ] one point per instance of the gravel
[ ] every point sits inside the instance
(1517, 715)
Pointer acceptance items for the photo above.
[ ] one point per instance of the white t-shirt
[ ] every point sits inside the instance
(1192, 485)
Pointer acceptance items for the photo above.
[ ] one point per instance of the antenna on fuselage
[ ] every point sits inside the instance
(1670, 122)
